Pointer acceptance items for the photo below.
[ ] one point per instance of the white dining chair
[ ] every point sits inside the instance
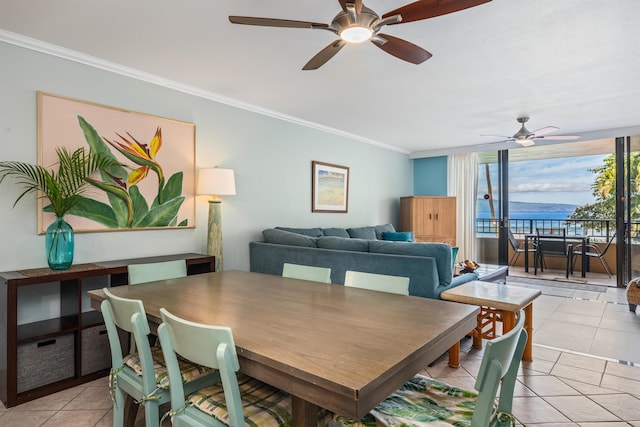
(377, 282)
(150, 272)
(142, 374)
(237, 400)
(306, 272)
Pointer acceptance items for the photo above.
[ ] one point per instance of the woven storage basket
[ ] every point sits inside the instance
(633, 291)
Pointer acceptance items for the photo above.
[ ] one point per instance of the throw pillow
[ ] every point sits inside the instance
(388, 228)
(335, 232)
(367, 233)
(312, 232)
(342, 244)
(398, 236)
(281, 237)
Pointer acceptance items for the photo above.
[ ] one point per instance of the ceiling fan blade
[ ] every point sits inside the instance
(270, 22)
(559, 137)
(424, 9)
(356, 3)
(401, 49)
(544, 131)
(324, 55)
(499, 136)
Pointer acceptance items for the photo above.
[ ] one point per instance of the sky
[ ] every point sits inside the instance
(563, 180)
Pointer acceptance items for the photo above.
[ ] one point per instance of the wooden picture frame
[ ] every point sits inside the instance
(155, 186)
(329, 188)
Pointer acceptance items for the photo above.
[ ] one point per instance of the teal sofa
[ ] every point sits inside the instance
(429, 266)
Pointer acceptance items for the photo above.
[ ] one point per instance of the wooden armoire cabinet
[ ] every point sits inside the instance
(431, 218)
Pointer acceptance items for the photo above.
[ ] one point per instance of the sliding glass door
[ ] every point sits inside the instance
(627, 209)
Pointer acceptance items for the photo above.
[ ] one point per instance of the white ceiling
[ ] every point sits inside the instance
(574, 64)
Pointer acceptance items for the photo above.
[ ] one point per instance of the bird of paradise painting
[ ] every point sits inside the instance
(152, 185)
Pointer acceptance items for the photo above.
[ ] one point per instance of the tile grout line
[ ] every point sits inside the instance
(578, 353)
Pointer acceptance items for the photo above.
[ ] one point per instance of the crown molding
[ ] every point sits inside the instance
(91, 61)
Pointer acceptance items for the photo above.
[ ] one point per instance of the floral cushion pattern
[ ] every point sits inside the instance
(424, 401)
(189, 371)
(263, 405)
(421, 402)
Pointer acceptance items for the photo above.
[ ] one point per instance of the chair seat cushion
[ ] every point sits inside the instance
(189, 371)
(422, 401)
(262, 404)
(425, 401)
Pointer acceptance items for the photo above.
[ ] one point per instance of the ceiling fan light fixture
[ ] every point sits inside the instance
(525, 142)
(356, 34)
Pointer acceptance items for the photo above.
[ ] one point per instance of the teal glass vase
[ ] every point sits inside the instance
(59, 244)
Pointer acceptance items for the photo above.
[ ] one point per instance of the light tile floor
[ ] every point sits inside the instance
(585, 372)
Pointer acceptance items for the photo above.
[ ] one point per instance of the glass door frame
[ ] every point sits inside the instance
(623, 211)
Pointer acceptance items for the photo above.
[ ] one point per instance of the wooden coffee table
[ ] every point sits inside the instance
(496, 301)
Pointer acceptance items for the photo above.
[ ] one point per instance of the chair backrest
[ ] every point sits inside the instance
(552, 246)
(128, 315)
(206, 345)
(500, 364)
(512, 240)
(613, 237)
(377, 282)
(306, 272)
(150, 272)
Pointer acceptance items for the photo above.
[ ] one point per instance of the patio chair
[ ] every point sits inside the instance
(519, 248)
(306, 272)
(377, 282)
(552, 245)
(141, 374)
(423, 401)
(150, 272)
(592, 250)
(236, 400)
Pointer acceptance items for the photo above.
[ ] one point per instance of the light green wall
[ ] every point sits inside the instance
(271, 158)
(430, 176)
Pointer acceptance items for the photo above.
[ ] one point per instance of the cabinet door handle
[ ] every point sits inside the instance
(103, 332)
(46, 343)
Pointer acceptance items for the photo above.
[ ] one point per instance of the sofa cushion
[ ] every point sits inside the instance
(312, 232)
(368, 233)
(342, 244)
(336, 232)
(382, 228)
(398, 236)
(282, 237)
(440, 251)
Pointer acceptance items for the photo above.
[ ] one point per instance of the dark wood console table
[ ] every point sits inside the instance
(51, 338)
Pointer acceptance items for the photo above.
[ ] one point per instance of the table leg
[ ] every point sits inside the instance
(303, 413)
(584, 259)
(526, 254)
(454, 355)
(130, 411)
(528, 326)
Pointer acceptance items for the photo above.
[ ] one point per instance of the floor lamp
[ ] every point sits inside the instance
(216, 182)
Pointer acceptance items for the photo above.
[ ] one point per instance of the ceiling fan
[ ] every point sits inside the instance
(357, 23)
(526, 138)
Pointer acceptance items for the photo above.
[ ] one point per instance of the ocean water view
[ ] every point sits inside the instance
(530, 215)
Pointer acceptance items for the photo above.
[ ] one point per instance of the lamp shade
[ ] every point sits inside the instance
(216, 181)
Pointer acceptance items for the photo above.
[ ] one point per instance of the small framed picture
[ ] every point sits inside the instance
(330, 188)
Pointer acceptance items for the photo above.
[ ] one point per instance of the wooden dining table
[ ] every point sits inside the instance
(329, 346)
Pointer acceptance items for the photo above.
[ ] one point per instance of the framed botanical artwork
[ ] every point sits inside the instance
(154, 186)
(330, 187)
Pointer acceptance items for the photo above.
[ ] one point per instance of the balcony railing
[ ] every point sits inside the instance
(600, 228)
